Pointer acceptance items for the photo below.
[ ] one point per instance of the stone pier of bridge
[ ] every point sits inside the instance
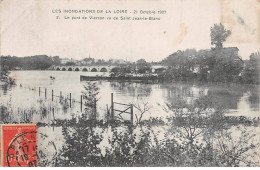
(98, 68)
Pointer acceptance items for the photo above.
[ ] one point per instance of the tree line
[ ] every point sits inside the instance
(215, 65)
(218, 64)
(37, 62)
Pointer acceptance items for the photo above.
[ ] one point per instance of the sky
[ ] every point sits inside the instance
(30, 28)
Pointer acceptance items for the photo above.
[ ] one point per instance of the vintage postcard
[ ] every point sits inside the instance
(130, 83)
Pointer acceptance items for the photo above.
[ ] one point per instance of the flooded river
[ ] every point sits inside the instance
(237, 100)
(34, 89)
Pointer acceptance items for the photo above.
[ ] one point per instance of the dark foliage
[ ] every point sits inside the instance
(251, 71)
(38, 62)
(219, 35)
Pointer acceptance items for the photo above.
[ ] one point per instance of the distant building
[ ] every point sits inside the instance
(65, 60)
(229, 52)
(82, 62)
(88, 61)
(117, 61)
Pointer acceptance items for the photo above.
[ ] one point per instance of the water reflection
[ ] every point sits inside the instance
(75, 143)
(238, 100)
(227, 97)
(132, 89)
(253, 98)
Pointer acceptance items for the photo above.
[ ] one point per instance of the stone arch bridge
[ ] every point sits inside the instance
(98, 68)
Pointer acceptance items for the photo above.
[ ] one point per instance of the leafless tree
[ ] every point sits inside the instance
(142, 107)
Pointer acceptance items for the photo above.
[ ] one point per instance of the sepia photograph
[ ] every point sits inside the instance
(129, 83)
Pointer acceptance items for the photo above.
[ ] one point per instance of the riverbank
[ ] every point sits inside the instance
(154, 78)
(7, 80)
(151, 78)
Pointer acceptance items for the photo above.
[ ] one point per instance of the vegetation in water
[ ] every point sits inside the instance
(196, 134)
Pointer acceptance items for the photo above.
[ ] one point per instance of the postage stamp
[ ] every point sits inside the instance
(19, 145)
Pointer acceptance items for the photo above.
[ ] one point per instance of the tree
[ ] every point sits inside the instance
(142, 107)
(181, 64)
(90, 98)
(122, 70)
(205, 62)
(227, 65)
(69, 63)
(56, 60)
(4, 70)
(37, 62)
(142, 66)
(250, 73)
(219, 35)
(89, 60)
(81, 147)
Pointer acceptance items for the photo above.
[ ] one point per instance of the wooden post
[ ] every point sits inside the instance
(108, 115)
(81, 103)
(95, 107)
(60, 95)
(39, 91)
(52, 95)
(53, 114)
(112, 107)
(45, 93)
(132, 114)
(70, 100)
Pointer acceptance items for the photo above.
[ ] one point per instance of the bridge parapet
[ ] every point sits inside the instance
(97, 68)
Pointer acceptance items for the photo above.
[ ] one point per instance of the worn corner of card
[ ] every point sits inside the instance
(18, 145)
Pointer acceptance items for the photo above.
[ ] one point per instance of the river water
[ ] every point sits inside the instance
(237, 100)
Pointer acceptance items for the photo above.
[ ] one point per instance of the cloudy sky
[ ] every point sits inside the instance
(31, 28)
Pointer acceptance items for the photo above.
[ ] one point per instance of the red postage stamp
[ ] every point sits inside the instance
(19, 145)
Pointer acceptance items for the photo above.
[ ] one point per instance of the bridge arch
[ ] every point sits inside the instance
(88, 68)
(103, 69)
(93, 70)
